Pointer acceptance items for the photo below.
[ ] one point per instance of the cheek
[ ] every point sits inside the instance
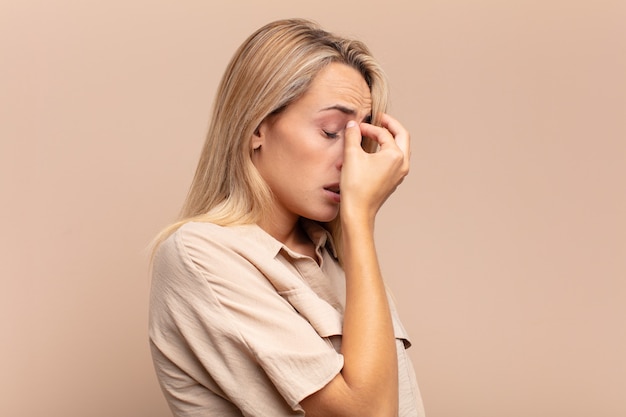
(297, 149)
(299, 153)
(280, 162)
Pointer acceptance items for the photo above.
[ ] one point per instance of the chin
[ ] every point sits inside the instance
(323, 217)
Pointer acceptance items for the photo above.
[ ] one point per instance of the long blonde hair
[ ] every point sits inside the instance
(270, 70)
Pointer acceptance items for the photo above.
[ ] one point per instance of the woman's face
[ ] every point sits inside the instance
(301, 149)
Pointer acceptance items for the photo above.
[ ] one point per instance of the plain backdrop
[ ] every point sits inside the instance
(505, 247)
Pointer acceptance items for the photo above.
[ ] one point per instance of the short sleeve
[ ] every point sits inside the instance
(219, 322)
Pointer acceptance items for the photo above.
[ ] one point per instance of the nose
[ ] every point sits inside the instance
(339, 160)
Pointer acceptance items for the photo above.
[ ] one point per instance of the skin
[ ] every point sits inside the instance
(306, 153)
(299, 152)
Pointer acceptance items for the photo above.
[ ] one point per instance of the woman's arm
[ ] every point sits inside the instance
(368, 382)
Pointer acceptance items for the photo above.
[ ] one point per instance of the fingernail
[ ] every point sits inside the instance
(350, 124)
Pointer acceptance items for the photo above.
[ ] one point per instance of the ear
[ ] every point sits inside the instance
(258, 137)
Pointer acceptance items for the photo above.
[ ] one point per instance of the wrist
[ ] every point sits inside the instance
(356, 218)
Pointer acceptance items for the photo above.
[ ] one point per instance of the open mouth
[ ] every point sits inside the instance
(335, 189)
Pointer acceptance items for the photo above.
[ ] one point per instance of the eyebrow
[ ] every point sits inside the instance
(345, 110)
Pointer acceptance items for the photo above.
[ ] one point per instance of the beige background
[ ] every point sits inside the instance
(506, 247)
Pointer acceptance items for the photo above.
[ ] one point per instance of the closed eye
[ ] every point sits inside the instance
(331, 135)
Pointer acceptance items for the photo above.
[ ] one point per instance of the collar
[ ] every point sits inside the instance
(319, 235)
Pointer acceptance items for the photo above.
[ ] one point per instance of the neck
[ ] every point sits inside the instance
(290, 233)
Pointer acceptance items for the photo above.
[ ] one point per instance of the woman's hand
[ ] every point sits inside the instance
(368, 179)
(368, 382)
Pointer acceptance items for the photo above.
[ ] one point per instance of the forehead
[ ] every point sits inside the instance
(339, 85)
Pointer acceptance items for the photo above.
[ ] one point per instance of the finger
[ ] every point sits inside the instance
(353, 135)
(400, 134)
(381, 135)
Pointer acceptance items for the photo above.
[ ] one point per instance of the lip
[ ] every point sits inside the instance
(333, 192)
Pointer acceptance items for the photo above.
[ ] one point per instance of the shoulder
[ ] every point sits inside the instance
(195, 233)
(205, 234)
(210, 246)
(187, 238)
(194, 240)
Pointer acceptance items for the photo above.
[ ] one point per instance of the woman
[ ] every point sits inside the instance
(267, 298)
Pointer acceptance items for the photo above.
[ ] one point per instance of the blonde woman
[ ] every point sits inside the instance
(267, 297)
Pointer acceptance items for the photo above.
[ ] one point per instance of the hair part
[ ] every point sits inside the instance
(271, 69)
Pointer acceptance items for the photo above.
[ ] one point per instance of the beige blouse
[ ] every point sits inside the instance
(242, 325)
